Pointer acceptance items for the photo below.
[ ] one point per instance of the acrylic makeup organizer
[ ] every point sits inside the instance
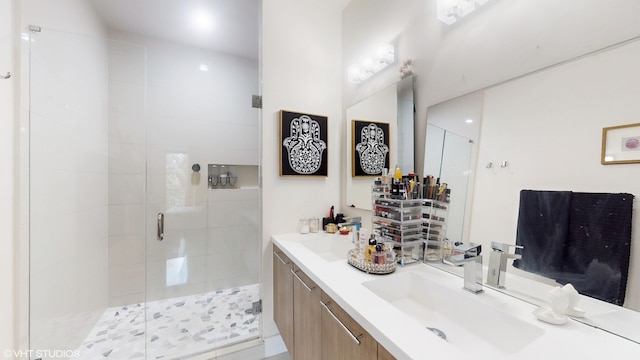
(400, 222)
(434, 227)
(417, 227)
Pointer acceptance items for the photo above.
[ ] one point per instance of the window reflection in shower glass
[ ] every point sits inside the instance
(177, 271)
(177, 179)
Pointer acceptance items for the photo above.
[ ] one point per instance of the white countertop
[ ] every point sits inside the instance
(406, 338)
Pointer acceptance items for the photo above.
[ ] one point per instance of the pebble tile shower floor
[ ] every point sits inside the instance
(173, 328)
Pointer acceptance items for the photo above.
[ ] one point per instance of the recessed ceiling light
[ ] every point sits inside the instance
(469, 121)
(202, 20)
(204, 67)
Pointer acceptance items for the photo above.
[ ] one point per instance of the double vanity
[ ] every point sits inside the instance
(325, 308)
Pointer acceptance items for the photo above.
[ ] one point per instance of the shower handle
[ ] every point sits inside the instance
(160, 235)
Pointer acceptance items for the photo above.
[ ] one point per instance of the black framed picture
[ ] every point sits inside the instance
(370, 147)
(303, 144)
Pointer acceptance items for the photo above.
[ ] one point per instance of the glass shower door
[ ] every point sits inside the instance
(202, 210)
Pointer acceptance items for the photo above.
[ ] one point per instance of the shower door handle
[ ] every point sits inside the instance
(160, 235)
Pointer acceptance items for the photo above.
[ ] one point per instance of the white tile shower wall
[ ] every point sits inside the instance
(127, 101)
(233, 222)
(205, 114)
(185, 116)
(68, 188)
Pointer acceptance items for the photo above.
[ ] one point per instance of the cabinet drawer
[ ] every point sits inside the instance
(342, 336)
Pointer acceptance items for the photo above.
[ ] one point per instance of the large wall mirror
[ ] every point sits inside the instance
(543, 98)
(394, 106)
(544, 132)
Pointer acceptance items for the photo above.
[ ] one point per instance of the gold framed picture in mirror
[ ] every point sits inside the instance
(370, 147)
(621, 144)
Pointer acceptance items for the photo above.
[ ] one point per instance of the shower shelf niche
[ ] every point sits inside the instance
(226, 176)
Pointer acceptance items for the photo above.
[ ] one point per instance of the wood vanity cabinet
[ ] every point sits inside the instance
(311, 324)
(342, 336)
(283, 296)
(307, 318)
(384, 354)
(296, 308)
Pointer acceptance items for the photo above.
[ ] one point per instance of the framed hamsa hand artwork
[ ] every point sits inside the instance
(303, 144)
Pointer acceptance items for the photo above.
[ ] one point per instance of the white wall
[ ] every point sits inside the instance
(7, 128)
(301, 71)
(548, 126)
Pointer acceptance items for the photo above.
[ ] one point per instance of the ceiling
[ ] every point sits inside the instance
(234, 28)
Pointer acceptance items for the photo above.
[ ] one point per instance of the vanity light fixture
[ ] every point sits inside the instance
(383, 56)
(450, 11)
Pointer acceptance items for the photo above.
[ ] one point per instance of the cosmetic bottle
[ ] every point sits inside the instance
(425, 186)
(385, 177)
(363, 235)
(371, 249)
(442, 192)
(397, 174)
(395, 189)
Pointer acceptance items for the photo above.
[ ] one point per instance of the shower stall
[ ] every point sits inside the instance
(133, 252)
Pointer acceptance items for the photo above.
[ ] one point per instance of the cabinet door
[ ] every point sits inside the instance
(283, 296)
(307, 318)
(343, 337)
(384, 354)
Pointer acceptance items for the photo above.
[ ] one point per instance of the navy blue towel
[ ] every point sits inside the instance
(587, 240)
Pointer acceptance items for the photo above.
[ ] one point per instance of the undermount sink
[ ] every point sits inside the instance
(332, 248)
(467, 321)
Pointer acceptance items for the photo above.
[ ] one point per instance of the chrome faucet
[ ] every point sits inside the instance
(497, 273)
(354, 221)
(472, 261)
